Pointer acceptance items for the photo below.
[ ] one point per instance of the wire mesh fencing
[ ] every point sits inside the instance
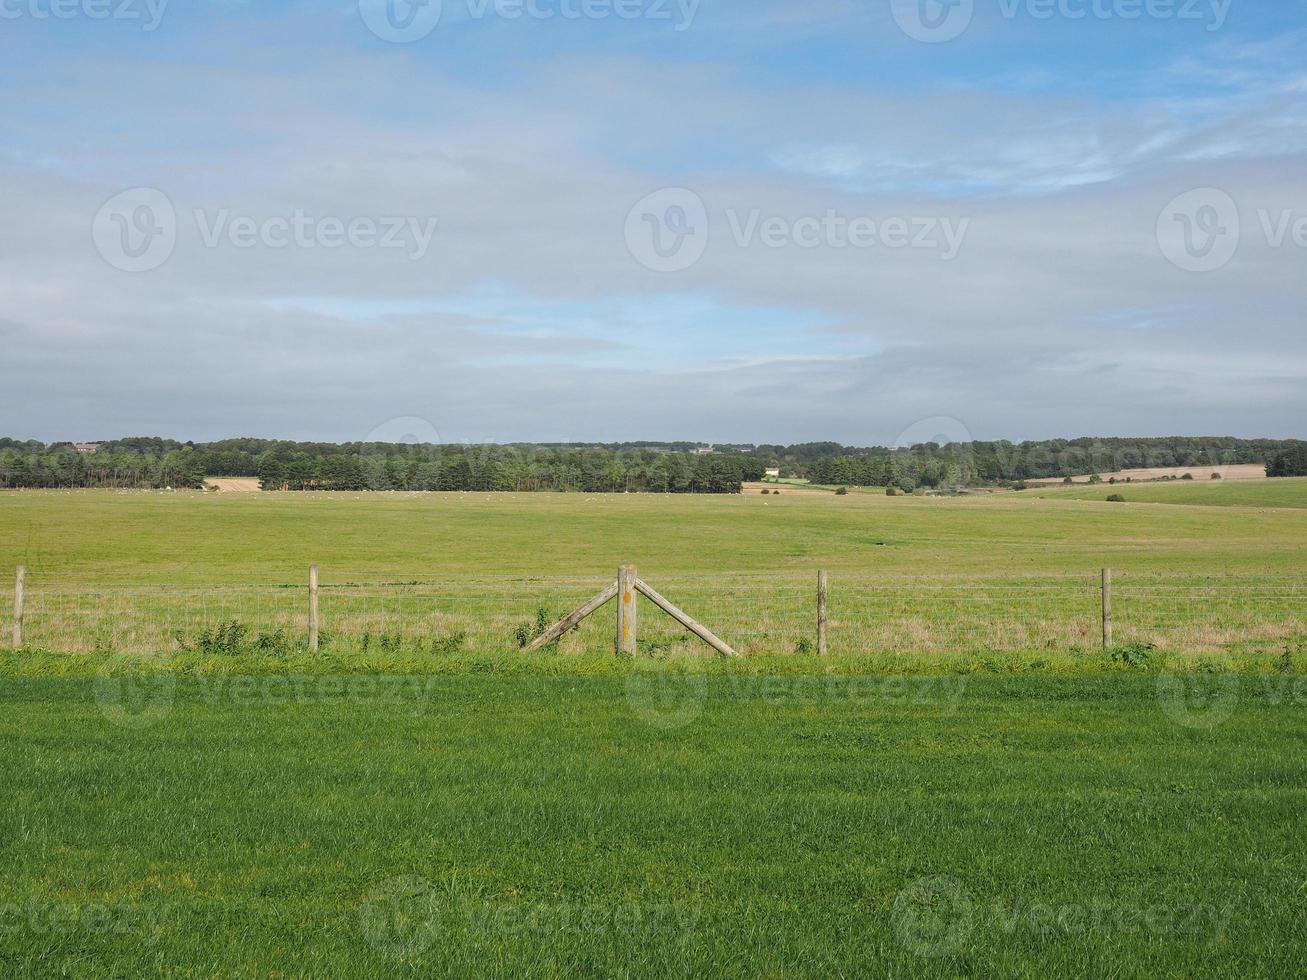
(755, 614)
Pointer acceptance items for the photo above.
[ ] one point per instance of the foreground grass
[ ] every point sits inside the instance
(650, 827)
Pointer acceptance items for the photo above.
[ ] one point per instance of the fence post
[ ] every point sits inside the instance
(313, 609)
(821, 613)
(1107, 608)
(626, 579)
(18, 606)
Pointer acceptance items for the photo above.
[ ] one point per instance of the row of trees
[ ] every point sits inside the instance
(643, 467)
(65, 469)
(504, 468)
(1290, 462)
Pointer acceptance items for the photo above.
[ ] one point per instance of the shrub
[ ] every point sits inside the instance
(765, 491)
(1095, 478)
(1067, 480)
(1021, 485)
(1217, 476)
(804, 645)
(841, 491)
(891, 491)
(1115, 498)
(1133, 654)
(1187, 476)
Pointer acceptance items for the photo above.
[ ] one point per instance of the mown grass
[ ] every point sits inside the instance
(477, 825)
(1289, 492)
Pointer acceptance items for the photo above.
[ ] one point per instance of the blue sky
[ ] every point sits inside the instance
(639, 227)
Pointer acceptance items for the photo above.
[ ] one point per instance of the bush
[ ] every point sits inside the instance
(804, 646)
(1021, 485)
(841, 491)
(1133, 654)
(1115, 498)
(765, 491)
(891, 491)
(1095, 478)
(1217, 476)
(1068, 480)
(1187, 476)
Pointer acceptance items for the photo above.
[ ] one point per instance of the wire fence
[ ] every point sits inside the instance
(756, 614)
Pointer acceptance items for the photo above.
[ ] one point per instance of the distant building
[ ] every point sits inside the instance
(704, 451)
(87, 448)
(774, 471)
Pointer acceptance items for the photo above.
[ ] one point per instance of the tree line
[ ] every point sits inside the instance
(649, 467)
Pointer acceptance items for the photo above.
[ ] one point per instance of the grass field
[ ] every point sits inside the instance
(486, 826)
(1210, 493)
(403, 809)
(1013, 573)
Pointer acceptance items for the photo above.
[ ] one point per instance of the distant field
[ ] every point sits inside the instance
(1238, 471)
(910, 576)
(1290, 492)
(487, 826)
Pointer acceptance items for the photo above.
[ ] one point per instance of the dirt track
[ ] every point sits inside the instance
(232, 484)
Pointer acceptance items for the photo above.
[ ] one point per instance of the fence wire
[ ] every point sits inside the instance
(755, 614)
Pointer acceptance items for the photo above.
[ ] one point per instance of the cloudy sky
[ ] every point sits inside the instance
(722, 220)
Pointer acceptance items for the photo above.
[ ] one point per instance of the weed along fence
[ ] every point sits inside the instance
(781, 613)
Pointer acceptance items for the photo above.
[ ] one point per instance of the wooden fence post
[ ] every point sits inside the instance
(626, 601)
(1107, 608)
(18, 606)
(313, 609)
(821, 613)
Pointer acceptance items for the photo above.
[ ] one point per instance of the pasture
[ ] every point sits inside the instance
(914, 581)
(393, 808)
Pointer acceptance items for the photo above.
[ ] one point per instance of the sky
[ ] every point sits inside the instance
(869, 221)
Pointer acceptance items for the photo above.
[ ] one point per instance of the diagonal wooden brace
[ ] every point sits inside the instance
(572, 618)
(698, 629)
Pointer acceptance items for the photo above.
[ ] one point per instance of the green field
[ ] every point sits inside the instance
(474, 825)
(1207, 493)
(1013, 574)
(404, 805)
